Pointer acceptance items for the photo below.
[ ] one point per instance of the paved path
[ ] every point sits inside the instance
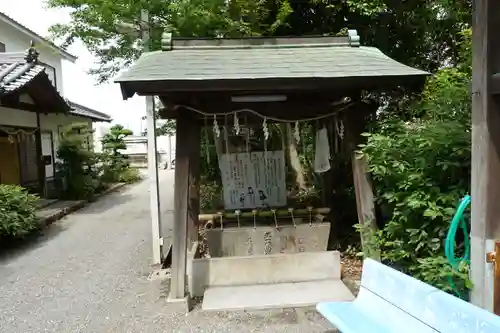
(89, 273)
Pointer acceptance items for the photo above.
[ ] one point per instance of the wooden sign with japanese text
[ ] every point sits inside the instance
(253, 180)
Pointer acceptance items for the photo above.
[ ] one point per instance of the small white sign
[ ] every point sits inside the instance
(253, 180)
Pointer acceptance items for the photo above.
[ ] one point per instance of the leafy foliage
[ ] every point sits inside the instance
(420, 170)
(114, 162)
(17, 211)
(113, 143)
(423, 33)
(76, 170)
(129, 175)
(210, 196)
(95, 23)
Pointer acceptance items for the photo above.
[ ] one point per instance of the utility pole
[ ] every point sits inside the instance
(152, 156)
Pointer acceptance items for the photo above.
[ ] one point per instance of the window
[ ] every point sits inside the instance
(2, 47)
(51, 72)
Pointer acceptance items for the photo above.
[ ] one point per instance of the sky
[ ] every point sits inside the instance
(79, 87)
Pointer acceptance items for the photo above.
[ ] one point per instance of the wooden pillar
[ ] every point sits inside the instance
(365, 202)
(40, 161)
(186, 164)
(485, 189)
(194, 182)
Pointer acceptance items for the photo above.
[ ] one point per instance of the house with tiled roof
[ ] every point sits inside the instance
(33, 109)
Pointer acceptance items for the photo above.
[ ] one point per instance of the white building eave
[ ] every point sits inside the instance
(37, 39)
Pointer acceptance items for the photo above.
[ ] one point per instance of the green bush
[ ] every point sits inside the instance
(420, 170)
(115, 165)
(210, 196)
(17, 211)
(77, 167)
(129, 175)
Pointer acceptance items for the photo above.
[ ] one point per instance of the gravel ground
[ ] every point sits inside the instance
(89, 273)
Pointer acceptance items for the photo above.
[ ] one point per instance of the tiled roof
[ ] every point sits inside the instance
(265, 58)
(22, 71)
(19, 69)
(16, 72)
(83, 111)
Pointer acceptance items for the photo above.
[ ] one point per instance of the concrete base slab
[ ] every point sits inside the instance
(268, 296)
(265, 269)
(179, 305)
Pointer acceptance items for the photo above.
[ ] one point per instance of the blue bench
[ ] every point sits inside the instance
(392, 302)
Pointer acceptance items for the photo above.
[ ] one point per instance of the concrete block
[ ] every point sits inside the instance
(265, 269)
(264, 240)
(179, 305)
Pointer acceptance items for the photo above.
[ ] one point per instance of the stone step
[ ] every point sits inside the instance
(280, 295)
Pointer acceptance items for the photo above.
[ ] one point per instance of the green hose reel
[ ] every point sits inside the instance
(458, 222)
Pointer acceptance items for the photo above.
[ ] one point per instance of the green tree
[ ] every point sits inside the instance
(423, 33)
(75, 171)
(94, 23)
(114, 161)
(113, 142)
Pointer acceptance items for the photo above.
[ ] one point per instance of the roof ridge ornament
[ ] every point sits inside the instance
(32, 54)
(166, 41)
(353, 38)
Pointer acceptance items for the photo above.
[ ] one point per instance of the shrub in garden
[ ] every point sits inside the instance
(115, 165)
(210, 196)
(77, 170)
(17, 211)
(421, 170)
(129, 175)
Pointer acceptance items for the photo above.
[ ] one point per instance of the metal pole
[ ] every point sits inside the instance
(152, 158)
(170, 151)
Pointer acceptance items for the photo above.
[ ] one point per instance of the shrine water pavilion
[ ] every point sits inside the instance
(264, 251)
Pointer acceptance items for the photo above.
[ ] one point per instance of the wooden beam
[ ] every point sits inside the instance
(289, 110)
(40, 163)
(144, 88)
(14, 103)
(365, 201)
(485, 219)
(194, 147)
(185, 143)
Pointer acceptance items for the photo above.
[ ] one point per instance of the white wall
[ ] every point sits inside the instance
(13, 117)
(55, 122)
(16, 41)
(166, 146)
(99, 130)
